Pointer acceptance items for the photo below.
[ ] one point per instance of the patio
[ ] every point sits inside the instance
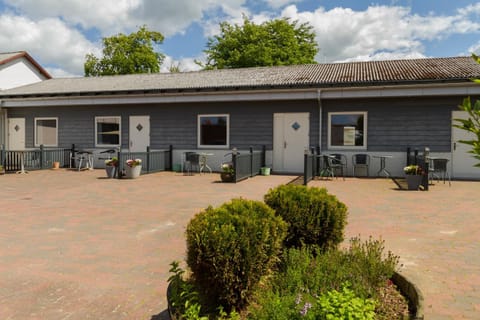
(78, 246)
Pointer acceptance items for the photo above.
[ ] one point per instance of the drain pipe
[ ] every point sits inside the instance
(319, 101)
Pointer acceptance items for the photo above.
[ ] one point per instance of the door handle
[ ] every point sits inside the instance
(131, 143)
(454, 146)
(285, 144)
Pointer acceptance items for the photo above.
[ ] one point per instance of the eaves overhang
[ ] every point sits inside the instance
(460, 88)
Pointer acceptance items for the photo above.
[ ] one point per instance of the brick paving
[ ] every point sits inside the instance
(75, 245)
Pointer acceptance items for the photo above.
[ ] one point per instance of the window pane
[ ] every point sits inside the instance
(108, 131)
(46, 132)
(346, 129)
(213, 130)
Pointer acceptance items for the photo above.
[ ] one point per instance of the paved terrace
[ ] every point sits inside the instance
(74, 245)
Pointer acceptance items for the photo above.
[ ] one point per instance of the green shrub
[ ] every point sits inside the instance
(343, 305)
(305, 273)
(230, 248)
(314, 216)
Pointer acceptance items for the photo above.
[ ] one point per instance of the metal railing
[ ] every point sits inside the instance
(310, 167)
(36, 159)
(249, 164)
(152, 161)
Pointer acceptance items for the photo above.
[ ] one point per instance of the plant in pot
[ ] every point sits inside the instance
(228, 172)
(133, 169)
(111, 167)
(414, 176)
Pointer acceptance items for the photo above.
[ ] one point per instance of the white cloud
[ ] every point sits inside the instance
(280, 3)
(474, 49)
(49, 41)
(184, 64)
(378, 31)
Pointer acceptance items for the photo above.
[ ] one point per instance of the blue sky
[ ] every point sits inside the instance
(59, 33)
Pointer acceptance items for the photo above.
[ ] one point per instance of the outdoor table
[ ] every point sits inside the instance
(203, 161)
(383, 165)
(22, 163)
(87, 156)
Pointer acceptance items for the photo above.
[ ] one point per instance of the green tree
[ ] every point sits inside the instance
(472, 123)
(272, 43)
(127, 54)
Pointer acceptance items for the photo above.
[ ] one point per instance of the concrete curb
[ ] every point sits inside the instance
(412, 293)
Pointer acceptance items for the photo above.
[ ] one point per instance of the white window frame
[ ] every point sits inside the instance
(365, 132)
(199, 145)
(119, 132)
(35, 131)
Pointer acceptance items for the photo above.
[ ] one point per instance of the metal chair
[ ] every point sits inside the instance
(340, 163)
(361, 160)
(438, 168)
(330, 165)
(192, 161)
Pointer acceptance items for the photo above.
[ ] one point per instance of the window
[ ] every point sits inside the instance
(347, 130)
(46, 132)
(213, 130)
(107, 131)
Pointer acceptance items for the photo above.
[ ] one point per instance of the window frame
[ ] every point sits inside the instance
(365, 130)
(36, 144)
(119, 131)
(199, 133)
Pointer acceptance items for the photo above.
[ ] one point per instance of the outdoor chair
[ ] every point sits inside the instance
(191, 163)
(330, 165)
(361, 160)
(439, 168)
(340, 163)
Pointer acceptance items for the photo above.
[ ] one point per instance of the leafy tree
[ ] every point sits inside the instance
(472, 124)
(272, 43)
(127, 54)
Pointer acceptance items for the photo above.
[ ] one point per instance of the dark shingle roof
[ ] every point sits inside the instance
(369, 73)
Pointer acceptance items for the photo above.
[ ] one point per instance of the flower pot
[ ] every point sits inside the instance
(414, 181)
(265, 171)
(226, 176)
(133, 172)
(56, 165)
(111, 170)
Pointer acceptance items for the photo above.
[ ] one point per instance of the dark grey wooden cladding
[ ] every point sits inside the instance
(397, 123)
(251, 123)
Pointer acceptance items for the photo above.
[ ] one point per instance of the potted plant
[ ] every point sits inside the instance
(133, 169)
(228, 172)
(111, 167)
(2, 170)
(414, 176)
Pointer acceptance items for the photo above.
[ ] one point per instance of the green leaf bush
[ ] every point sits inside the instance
(314, 216)
(230, 248)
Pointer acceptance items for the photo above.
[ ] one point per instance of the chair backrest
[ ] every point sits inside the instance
(192, 157)
(440, 164)
(340, 157)
(361, 158)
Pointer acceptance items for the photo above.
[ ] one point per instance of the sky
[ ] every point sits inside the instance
(59, 33)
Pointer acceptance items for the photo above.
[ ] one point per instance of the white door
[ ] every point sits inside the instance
(16, 133)
(290, 139)
(139, 133)
(462, 161)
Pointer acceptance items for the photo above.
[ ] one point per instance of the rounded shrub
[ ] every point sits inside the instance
(314, 216)
(230, 248)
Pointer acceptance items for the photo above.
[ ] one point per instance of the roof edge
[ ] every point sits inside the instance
(24, 54)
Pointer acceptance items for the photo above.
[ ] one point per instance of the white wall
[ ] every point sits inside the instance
(17, 73)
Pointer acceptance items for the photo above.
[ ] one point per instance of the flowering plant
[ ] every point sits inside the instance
(133, 163)
(228, 168)
(112, 162)
(413, 169)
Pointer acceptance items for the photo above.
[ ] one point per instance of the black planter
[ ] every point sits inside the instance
(226, 176)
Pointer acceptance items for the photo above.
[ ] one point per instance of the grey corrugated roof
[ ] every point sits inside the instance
(318, 75)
